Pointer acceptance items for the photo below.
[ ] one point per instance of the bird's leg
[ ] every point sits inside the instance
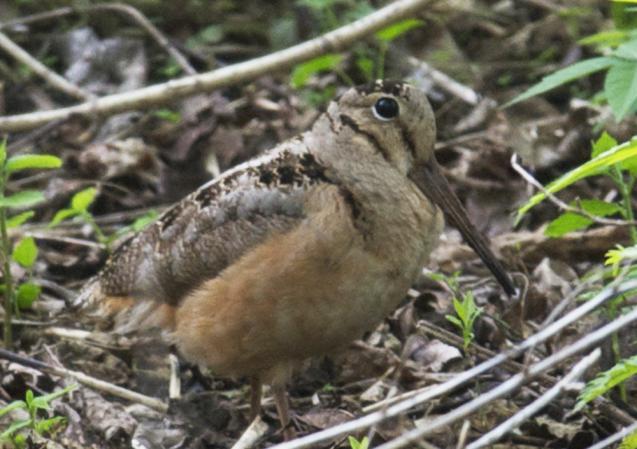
(281, 401)
(255, 397)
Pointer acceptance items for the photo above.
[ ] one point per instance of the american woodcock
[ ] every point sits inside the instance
(298, 251)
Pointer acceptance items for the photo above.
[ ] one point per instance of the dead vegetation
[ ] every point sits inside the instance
(144, 156)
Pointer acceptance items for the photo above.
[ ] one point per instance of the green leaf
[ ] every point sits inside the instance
(25, 198)
(62, 215)
(565, 223)
(26, 161)
(3, 151)
(302, 72)
(28, 397)
(593, 167)
(609, 38)
(355, 444)
(212, 34)
(55, 395)
(563, 76)
(391, 32)
(19, 219)
(627, 50)
(12, 406)
(604, 143)
(620, 87)
(168, 114)
(14, 427)
(630, 165)
(598, 207)
(26, 295)
(606, 380)
(455, 321)
(144, 220)
(366, 66)
(45, 426)
(614, 257)
(25, 252)
(83, 199)
(629, 442)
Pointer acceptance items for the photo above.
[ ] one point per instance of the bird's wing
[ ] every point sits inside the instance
(207, 231)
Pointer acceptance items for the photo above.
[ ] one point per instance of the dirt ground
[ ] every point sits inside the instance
(142, 161)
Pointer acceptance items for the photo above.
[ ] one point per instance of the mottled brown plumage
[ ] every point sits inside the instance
(298, 251)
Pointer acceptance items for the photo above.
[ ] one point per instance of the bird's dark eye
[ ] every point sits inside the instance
(385, 109)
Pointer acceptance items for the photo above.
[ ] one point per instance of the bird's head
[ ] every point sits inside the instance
(398, 121)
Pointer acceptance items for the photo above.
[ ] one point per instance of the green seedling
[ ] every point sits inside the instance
(608, 158)
(467, 312)
(25, 252)
(355, 444)
(620, 65)
(33, 404)
(79, 207)
(607, 380)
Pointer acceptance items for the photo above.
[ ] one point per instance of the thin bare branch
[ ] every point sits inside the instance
(623, 433)
(512, 384)
(252, 434)
(158, 94)
(151, 29)
(364, 422)
(55, 80)
(88, 381)
(455, 88)
(561, 204)
(123, 8)
(527, 412)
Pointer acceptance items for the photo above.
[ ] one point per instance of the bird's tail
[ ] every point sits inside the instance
(122, 314)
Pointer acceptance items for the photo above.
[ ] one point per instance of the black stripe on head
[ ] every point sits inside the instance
(351, 123)
(409, 143)
(390, 87)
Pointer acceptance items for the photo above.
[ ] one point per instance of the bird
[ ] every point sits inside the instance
(298, 251)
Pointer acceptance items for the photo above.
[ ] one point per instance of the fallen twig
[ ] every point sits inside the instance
(128, 10)
(561, 204)
(89, 381)
(623, 433)
(252, 434)
(527, 412)
(364, 422)
(511, 384)
(172, 90)
(151, 29)
(465, 93)
(55, 80)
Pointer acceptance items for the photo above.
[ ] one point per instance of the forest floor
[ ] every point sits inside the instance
(142, 161)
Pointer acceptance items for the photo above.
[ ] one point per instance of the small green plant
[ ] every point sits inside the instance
(629, 442)
(368, 59)
(355, 444)
(619, 60)
(33, 404)
(80, 202)
(617, 162)
(615, 257)
(79, 207)
(26, 251)
(467, 312)
(607, 380)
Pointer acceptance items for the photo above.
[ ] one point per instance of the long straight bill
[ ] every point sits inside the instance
(434, 185)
